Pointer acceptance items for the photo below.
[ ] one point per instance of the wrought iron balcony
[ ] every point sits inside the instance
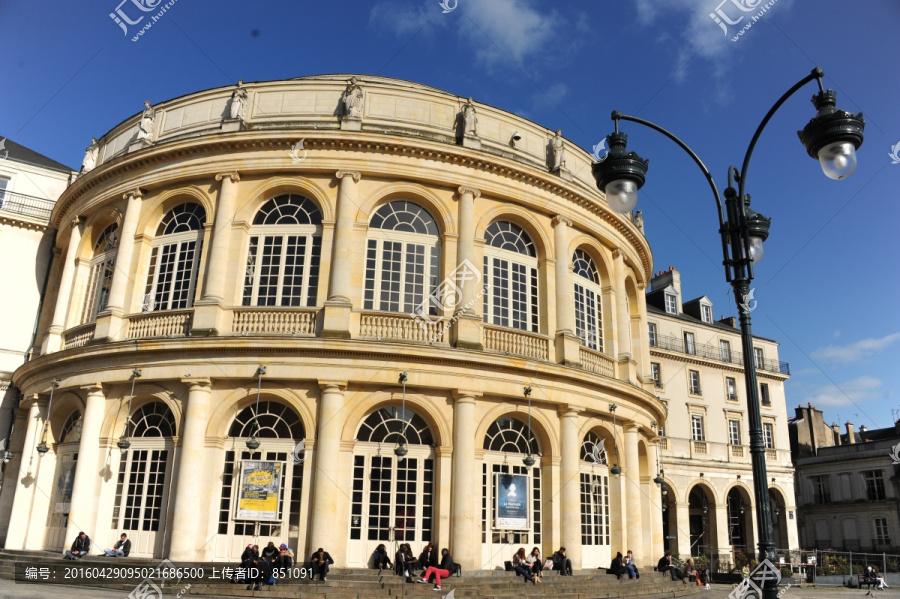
(26, 205)
(712, 352)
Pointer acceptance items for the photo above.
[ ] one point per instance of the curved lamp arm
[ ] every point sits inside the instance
(816, 74)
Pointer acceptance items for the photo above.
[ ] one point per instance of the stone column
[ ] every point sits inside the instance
(643, 341)
(466, 333)
(570, 484)
(567, 344)
(336, 313)
(53, 339)
(465, 543)
(210, 314)
(656, 545)
(633, 493)
(722, 539)
(83, 512)
(188, 510)
(623, 320)
(683, 527)
(24, 483)
(326, 484)
(110, 325)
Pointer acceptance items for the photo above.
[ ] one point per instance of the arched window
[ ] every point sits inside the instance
(71, 429)
(100, 274)
(275, 421)
(283, 256)
(403, 255)
(153, 420)
(510, 274)
(588, 300)
(512, 436)
(387, 425)
(593, 449)
(174, 259)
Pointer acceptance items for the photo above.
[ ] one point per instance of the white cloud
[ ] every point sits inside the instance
(405, 20)
(864, 388)
(855, 351)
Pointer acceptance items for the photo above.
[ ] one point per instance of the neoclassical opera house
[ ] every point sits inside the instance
(243, 275)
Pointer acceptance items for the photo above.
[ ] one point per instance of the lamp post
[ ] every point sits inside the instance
(832, 136)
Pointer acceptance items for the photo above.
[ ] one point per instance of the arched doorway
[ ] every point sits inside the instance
(393, 495)
(594, 466)
(510, 491)
(702, 521)
(670, 529)
(142, 483)
(66, 450)
(280, 432)
(779, 520)
(739, 510)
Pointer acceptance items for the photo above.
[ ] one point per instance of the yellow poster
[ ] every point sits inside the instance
(259, 490)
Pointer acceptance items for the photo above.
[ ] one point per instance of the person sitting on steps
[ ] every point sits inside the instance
(441, 571)
(537, 564)
(406, 563)
(523, 568)
(617, 567)
(428, 558)
(562, 563)
(668, 565)
(121, 549)
(380, 559)
(81, 546)
(319, 562)
(631, 565)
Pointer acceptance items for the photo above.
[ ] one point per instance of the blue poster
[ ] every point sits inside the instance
(512, 501)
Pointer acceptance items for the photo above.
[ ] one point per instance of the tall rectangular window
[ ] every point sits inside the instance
(694, 378)
(656, 373)
(725, 350)
(651, 331)
(821, 490)
(759, 357)
(874, 485)
(730, 388)
(769, 435)
(706, 312)
(764, 394)
(734, 432)
(4, 183)
(689, 347)
(881, 531)
(697, 427)
(671, 304)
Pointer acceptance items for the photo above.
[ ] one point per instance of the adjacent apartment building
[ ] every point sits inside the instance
(696, 362)
(30, 183)
(847, 484)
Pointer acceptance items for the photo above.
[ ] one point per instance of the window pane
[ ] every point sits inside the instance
(390, 276)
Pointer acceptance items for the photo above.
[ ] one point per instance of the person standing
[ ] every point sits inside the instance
(81, 546)
(319, 563)
(121, 549)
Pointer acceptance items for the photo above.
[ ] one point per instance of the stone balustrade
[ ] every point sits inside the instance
(78, 336)
(519, 343)
(401, 327)
(274, 321)
(160, 324)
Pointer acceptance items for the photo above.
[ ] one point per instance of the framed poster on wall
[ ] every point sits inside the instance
(511, 501)
(63, 498)
(259, 490)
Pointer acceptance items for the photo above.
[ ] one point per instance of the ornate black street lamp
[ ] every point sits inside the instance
(253, 442)
(832, 136)
(123, 443)
(42, 447)
(401, 450)
(528, 460)
(615, 470)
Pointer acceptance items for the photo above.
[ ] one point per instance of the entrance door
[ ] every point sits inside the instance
(142, 491)
(499, 543)
(61, 500)
(595, 551)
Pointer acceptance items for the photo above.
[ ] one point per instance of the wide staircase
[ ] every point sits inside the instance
(347, 583)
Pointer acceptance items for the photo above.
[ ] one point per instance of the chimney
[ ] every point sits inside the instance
(663, 279)
(730, 321)
(897, 427)
(863, 428)
(836, 430)
(850, 433)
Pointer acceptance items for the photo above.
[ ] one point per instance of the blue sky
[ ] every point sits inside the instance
(825, 287)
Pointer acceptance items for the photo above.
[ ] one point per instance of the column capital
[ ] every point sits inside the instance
(630, 427)
(326, 385)
(618, 254)
(560, 220)
(76, 221)
(136, 193)
(463, 190)
(568, 411)
(464, 396)
(199, 382)
(355, 174)
(93, 388)
(233, 175)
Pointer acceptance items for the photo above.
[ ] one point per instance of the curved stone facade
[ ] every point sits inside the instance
(400, 236)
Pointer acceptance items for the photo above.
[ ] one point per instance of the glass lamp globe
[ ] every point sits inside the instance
(622, 195)
(838, 160)
(756, 249)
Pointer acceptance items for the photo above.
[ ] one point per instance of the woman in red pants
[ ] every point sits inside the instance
(443, 570)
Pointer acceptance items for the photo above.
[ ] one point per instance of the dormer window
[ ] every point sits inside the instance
(706, 313)
(671, 306)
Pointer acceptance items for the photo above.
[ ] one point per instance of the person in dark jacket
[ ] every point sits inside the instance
(121, 549)
(284, 561)
(270, 552)
(668, 565)
(428, 558)
(617, 567)
(443, 570)
(380, 559)
(562, 563)
(263, 574)
(319, 562)
(405, 562)
(81, 546)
